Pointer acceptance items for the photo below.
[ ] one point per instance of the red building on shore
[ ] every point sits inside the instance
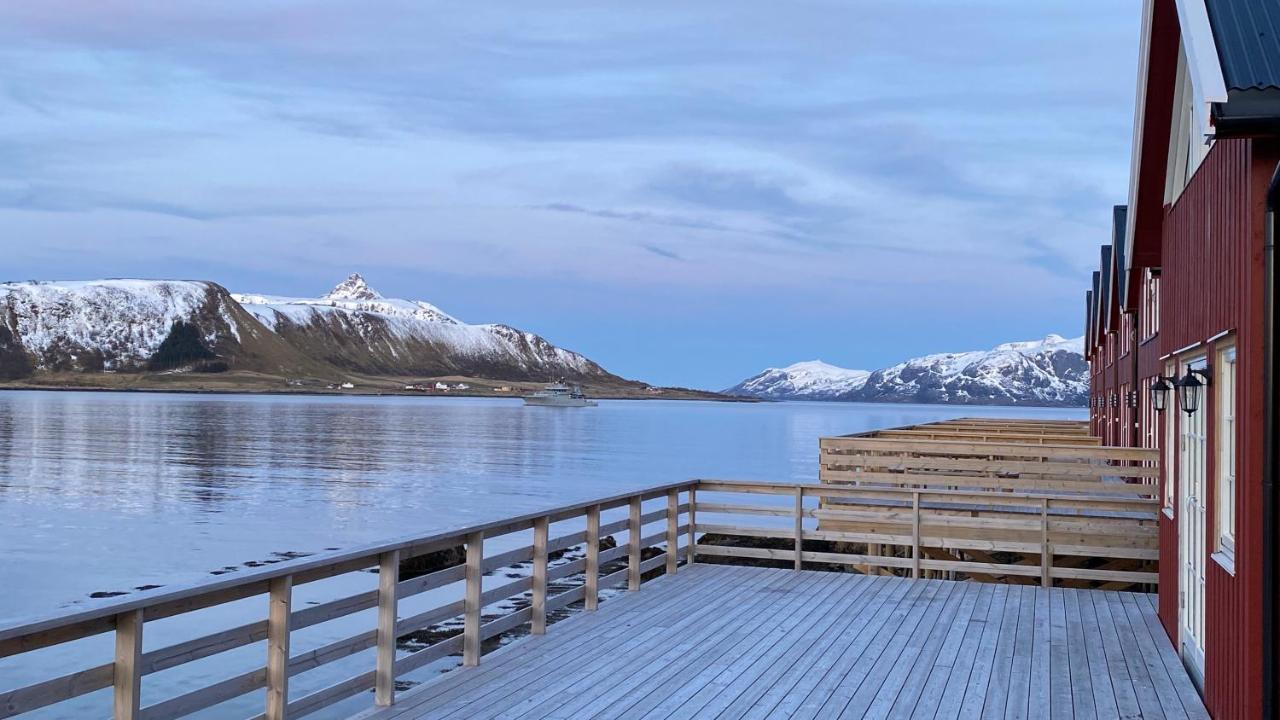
(1181, 335)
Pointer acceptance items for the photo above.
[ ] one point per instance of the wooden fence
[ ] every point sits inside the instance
(1045, 537)
(128, 618)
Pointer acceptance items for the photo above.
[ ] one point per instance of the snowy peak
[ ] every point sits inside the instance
(120, 326)
(353, 288)
(1049, 371)
(356, 327)
(810, 380)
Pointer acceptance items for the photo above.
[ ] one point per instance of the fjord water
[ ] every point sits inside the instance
(107, 492)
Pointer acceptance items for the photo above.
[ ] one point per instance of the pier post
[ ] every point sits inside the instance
(799, 564)
(591, 592)
(673, 530)
(541, 529)
(471, 603)
(279, 616)
(915, 534)
(128, 675)
(1046, 552)
(384, 692)
(693, 522)
(633, 547)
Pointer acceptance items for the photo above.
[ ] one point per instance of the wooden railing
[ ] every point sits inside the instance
(129, 618)
(1004, 466)
(938, 533)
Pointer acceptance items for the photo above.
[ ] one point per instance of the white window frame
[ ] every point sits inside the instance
(1170, 444)
(1226, 397)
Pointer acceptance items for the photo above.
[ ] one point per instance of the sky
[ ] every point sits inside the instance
(686, 192)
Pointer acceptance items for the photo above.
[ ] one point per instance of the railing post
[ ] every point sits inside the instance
(279, 615)
(673, 530)
(693, 523)
(128, 659)
(471, 601)
(633, 550)
(915, 534)
(799, 527)
(591, 597)
(541, 529)
(1046, 552)
(384, 692)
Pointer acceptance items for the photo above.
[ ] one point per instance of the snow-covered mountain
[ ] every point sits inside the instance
(1050, 371)
(119, 325)
(356, 328)
(809, 380)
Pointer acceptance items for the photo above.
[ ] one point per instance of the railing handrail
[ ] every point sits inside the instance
(111, 607)
(834, 490)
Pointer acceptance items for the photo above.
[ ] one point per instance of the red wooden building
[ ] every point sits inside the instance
(1180, 315)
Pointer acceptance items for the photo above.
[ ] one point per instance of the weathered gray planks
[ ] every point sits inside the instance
(733, 642)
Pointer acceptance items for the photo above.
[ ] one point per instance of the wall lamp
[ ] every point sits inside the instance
(1189, 389)
(1160, 392)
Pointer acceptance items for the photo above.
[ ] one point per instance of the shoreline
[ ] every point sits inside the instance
(517, 393)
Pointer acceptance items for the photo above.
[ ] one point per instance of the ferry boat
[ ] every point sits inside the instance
(559, 395)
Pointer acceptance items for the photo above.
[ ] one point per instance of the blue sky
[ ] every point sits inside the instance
(686, 192)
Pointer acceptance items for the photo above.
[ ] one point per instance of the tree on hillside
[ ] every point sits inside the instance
(182, 347)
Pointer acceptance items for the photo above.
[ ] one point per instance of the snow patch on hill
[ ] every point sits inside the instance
(104, 324)
(810, 380)
(384, 324)
(1048, 371)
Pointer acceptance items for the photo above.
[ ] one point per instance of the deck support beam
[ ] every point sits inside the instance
(471, 602)
(126, 702)
(591, 589)
(633, 545)
(384, 692)
(673, 530)
(279, 619)
(541, 530)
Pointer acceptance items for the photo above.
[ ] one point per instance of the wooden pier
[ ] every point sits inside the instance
(1026, 623)
(740, 642)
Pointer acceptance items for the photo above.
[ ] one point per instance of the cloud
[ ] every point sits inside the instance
(719, 147)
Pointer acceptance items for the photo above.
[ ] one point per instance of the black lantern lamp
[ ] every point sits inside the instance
(1189, 387)
(1160, 393)
(1131, 399)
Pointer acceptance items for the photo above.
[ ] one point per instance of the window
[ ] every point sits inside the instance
(1126, 334)
(1225, 429)
(1170, 446)
(1150, 303)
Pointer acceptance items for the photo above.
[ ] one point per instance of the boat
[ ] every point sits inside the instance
(559, 395)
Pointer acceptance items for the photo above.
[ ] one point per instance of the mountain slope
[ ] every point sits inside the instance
(811, 380)
(357, 329)
(117, 325)
(1051, 371)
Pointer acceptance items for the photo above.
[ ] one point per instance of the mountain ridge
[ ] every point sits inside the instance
(1047, 372)
(116, 325)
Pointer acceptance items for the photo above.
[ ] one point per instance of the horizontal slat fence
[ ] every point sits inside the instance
(128, 618)
(938, 533)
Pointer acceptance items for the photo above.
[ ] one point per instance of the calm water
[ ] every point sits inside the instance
(109, 492)
(105, 491)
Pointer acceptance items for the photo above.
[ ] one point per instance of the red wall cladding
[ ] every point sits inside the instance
(1213, 283)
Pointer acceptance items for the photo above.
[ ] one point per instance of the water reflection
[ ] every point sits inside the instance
(100, 491)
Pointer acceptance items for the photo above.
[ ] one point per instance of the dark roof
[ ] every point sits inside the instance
(1088, 323)
(1119, 218)
(1095, 294)
(1247, 33)
(1104, 291)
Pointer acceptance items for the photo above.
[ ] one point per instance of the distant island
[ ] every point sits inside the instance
(1049, 372)
(195, 335)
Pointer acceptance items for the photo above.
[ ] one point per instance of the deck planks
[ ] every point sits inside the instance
(729, 642)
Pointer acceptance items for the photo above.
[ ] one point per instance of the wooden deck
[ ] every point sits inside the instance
(718, 641)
